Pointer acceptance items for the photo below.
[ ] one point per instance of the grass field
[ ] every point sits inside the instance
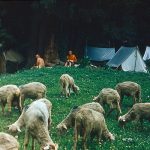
(90, 81)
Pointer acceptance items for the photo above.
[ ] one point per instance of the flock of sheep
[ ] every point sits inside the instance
(88, 120)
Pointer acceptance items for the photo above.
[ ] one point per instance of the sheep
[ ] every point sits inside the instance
(90, 122)
(10, 95)
(33, 90)
(110, 97)
(68, 122)
(67, 84)
(35, 119)
(138, 112)
(8, 142)
(129, 88)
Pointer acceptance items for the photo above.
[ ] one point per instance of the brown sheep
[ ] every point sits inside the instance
(90, 122)
(129, 88)
(10, 95)
(110, 97)
(68, 122)
(33, 90)
(138, 112)
(8, 142)
(67, 84)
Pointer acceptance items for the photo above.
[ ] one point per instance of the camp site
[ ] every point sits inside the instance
(74, 75)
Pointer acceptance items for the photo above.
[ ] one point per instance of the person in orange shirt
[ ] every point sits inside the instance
(71, 59)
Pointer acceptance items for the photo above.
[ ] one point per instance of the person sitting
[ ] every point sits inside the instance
(39, 61)
(71, 59)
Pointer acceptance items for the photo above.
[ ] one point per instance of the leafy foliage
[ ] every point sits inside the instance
(90, 81)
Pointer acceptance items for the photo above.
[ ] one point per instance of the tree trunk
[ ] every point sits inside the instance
(2, 63)
(51, 52)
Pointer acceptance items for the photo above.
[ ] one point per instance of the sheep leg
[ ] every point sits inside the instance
(66, 91)
(84, 139)
(3, 107)
(22, 100)
(134, 99)
(9, 102)
(75, 136)
(33, 144)
(26, 140)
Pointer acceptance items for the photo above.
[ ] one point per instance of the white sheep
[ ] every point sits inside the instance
(110, 97)
(90, 122)
(68, 122)
(138, 112)
(35, 119)
(67, 84)
(33, 90)
(8, 142)
(10, 95)
(129, 88)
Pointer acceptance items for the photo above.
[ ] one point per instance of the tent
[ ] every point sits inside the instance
(100, 54)
(13, 60)
(129, 58)
(147, 53)
(13, 56)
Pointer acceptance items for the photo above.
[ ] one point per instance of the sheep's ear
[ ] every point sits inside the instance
(123, 120)
(64, 126)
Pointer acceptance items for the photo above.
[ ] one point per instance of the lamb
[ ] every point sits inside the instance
(129, 88)
(35, 119)
(90, 122)
(138, 112)
(110, 97)
(8, 142)
(10, 95)
(67, 84)
(33, 90)
(68, 122)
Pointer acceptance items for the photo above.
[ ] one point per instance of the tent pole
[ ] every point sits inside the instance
(135, 58)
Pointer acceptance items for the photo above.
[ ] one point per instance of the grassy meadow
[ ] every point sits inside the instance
(90, 81)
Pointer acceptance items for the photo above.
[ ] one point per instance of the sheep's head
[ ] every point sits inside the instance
(121, 121)
(50, 146)
(76, 89)
(111, 136)
(96, 99)
(14, 128)
(61, 128)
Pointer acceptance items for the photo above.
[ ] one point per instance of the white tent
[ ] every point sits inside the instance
(147, 53)
(100, 54)
(129, 58)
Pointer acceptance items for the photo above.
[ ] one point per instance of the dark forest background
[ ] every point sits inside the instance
(52, 27)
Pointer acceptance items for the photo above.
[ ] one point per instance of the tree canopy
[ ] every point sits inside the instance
(29, 25)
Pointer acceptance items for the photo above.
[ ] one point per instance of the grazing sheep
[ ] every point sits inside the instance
(35, 119)
(129, 88)
(110, 97)
(33, 90)
(138, 112)
(90, 122)
(10, 95)
(68, 122)
(8, 142)
(67, 84)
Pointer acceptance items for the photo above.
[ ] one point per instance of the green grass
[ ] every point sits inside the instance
(90, 81)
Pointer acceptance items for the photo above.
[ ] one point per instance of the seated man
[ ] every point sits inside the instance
(71, 59)
(39, 62)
